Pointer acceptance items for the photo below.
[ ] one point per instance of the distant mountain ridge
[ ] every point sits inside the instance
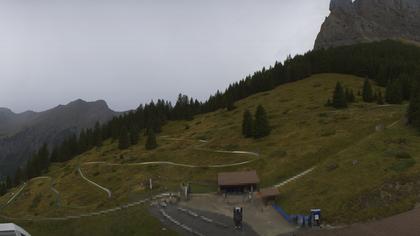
(361, 21)
(23, 133)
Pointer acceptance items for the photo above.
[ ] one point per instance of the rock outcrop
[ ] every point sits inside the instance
(359, 21)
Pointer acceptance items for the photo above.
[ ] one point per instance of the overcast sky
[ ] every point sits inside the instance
(128, 52)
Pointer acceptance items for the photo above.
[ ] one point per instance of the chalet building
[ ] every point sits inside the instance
(238, 182)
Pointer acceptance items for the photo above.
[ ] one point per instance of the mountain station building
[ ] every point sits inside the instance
(238, 182)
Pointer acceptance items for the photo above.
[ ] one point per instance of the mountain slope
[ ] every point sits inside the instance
(305, 134)
(24, 133)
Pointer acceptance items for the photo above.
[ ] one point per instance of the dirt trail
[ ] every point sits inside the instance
(109, 193)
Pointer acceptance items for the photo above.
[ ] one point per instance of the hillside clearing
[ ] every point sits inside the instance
(305, 133)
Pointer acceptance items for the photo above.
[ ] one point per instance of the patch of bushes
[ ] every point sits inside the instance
(328, 132)
(402, 165)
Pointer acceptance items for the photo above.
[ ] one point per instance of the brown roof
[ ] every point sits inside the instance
(269, 192)
(238, 178)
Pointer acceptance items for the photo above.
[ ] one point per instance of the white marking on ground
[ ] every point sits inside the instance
(294, 177)
(16, 194)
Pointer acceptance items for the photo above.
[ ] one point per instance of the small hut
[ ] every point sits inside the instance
(268, 195)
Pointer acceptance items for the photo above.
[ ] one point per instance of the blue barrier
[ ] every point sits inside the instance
(300, 220)
(282, 212)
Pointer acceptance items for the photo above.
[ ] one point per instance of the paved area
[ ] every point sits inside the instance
(407, 224)
(200, 223)
(263, 219)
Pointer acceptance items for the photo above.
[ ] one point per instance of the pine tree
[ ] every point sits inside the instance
(406, 84)
(3, 189)
(123, 140)
(413, 112)
(261, 124)
(339, 97)
(8, 182)
(97, 135)
(380, 98)
(367, 93)
(247, 124)
(43, 158)
(393, 93)
(55, 155)
(134, 135)
(18, 177)
(151, 140)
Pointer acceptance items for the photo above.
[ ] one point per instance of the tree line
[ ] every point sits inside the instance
(388, 63)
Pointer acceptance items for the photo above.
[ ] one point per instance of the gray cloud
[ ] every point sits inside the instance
(128, 52)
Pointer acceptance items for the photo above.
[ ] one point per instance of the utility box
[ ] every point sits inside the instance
(316, 217)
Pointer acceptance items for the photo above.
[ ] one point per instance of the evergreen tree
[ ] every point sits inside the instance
(43, 158)
(406, 84)
(123, 140)
(380, 98)
(18, 177)
(339, 97)
(413, 112)
(261, 124)
(393, 93)
(8, 182)
(247, 124)
(367, 93)
(3, 189)
(55, 155)
(134, 135)
(151, 140)
(97, 135)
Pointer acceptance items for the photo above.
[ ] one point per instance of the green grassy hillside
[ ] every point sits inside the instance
(305, 133)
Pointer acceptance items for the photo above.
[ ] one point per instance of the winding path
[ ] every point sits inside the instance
(170, 163)
(108, 192)
(56, 192)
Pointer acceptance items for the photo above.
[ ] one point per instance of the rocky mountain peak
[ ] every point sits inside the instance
(361, 21)
(341, 5)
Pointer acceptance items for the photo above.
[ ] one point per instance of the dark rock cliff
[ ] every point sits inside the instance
(359, 21)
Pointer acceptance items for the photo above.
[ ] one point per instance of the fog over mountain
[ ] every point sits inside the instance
(127, 52)
(22, 134)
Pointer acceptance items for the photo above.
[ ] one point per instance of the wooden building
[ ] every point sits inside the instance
(268, 195)
(238, 182)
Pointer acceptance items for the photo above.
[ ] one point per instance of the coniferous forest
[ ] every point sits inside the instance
(390, 64)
